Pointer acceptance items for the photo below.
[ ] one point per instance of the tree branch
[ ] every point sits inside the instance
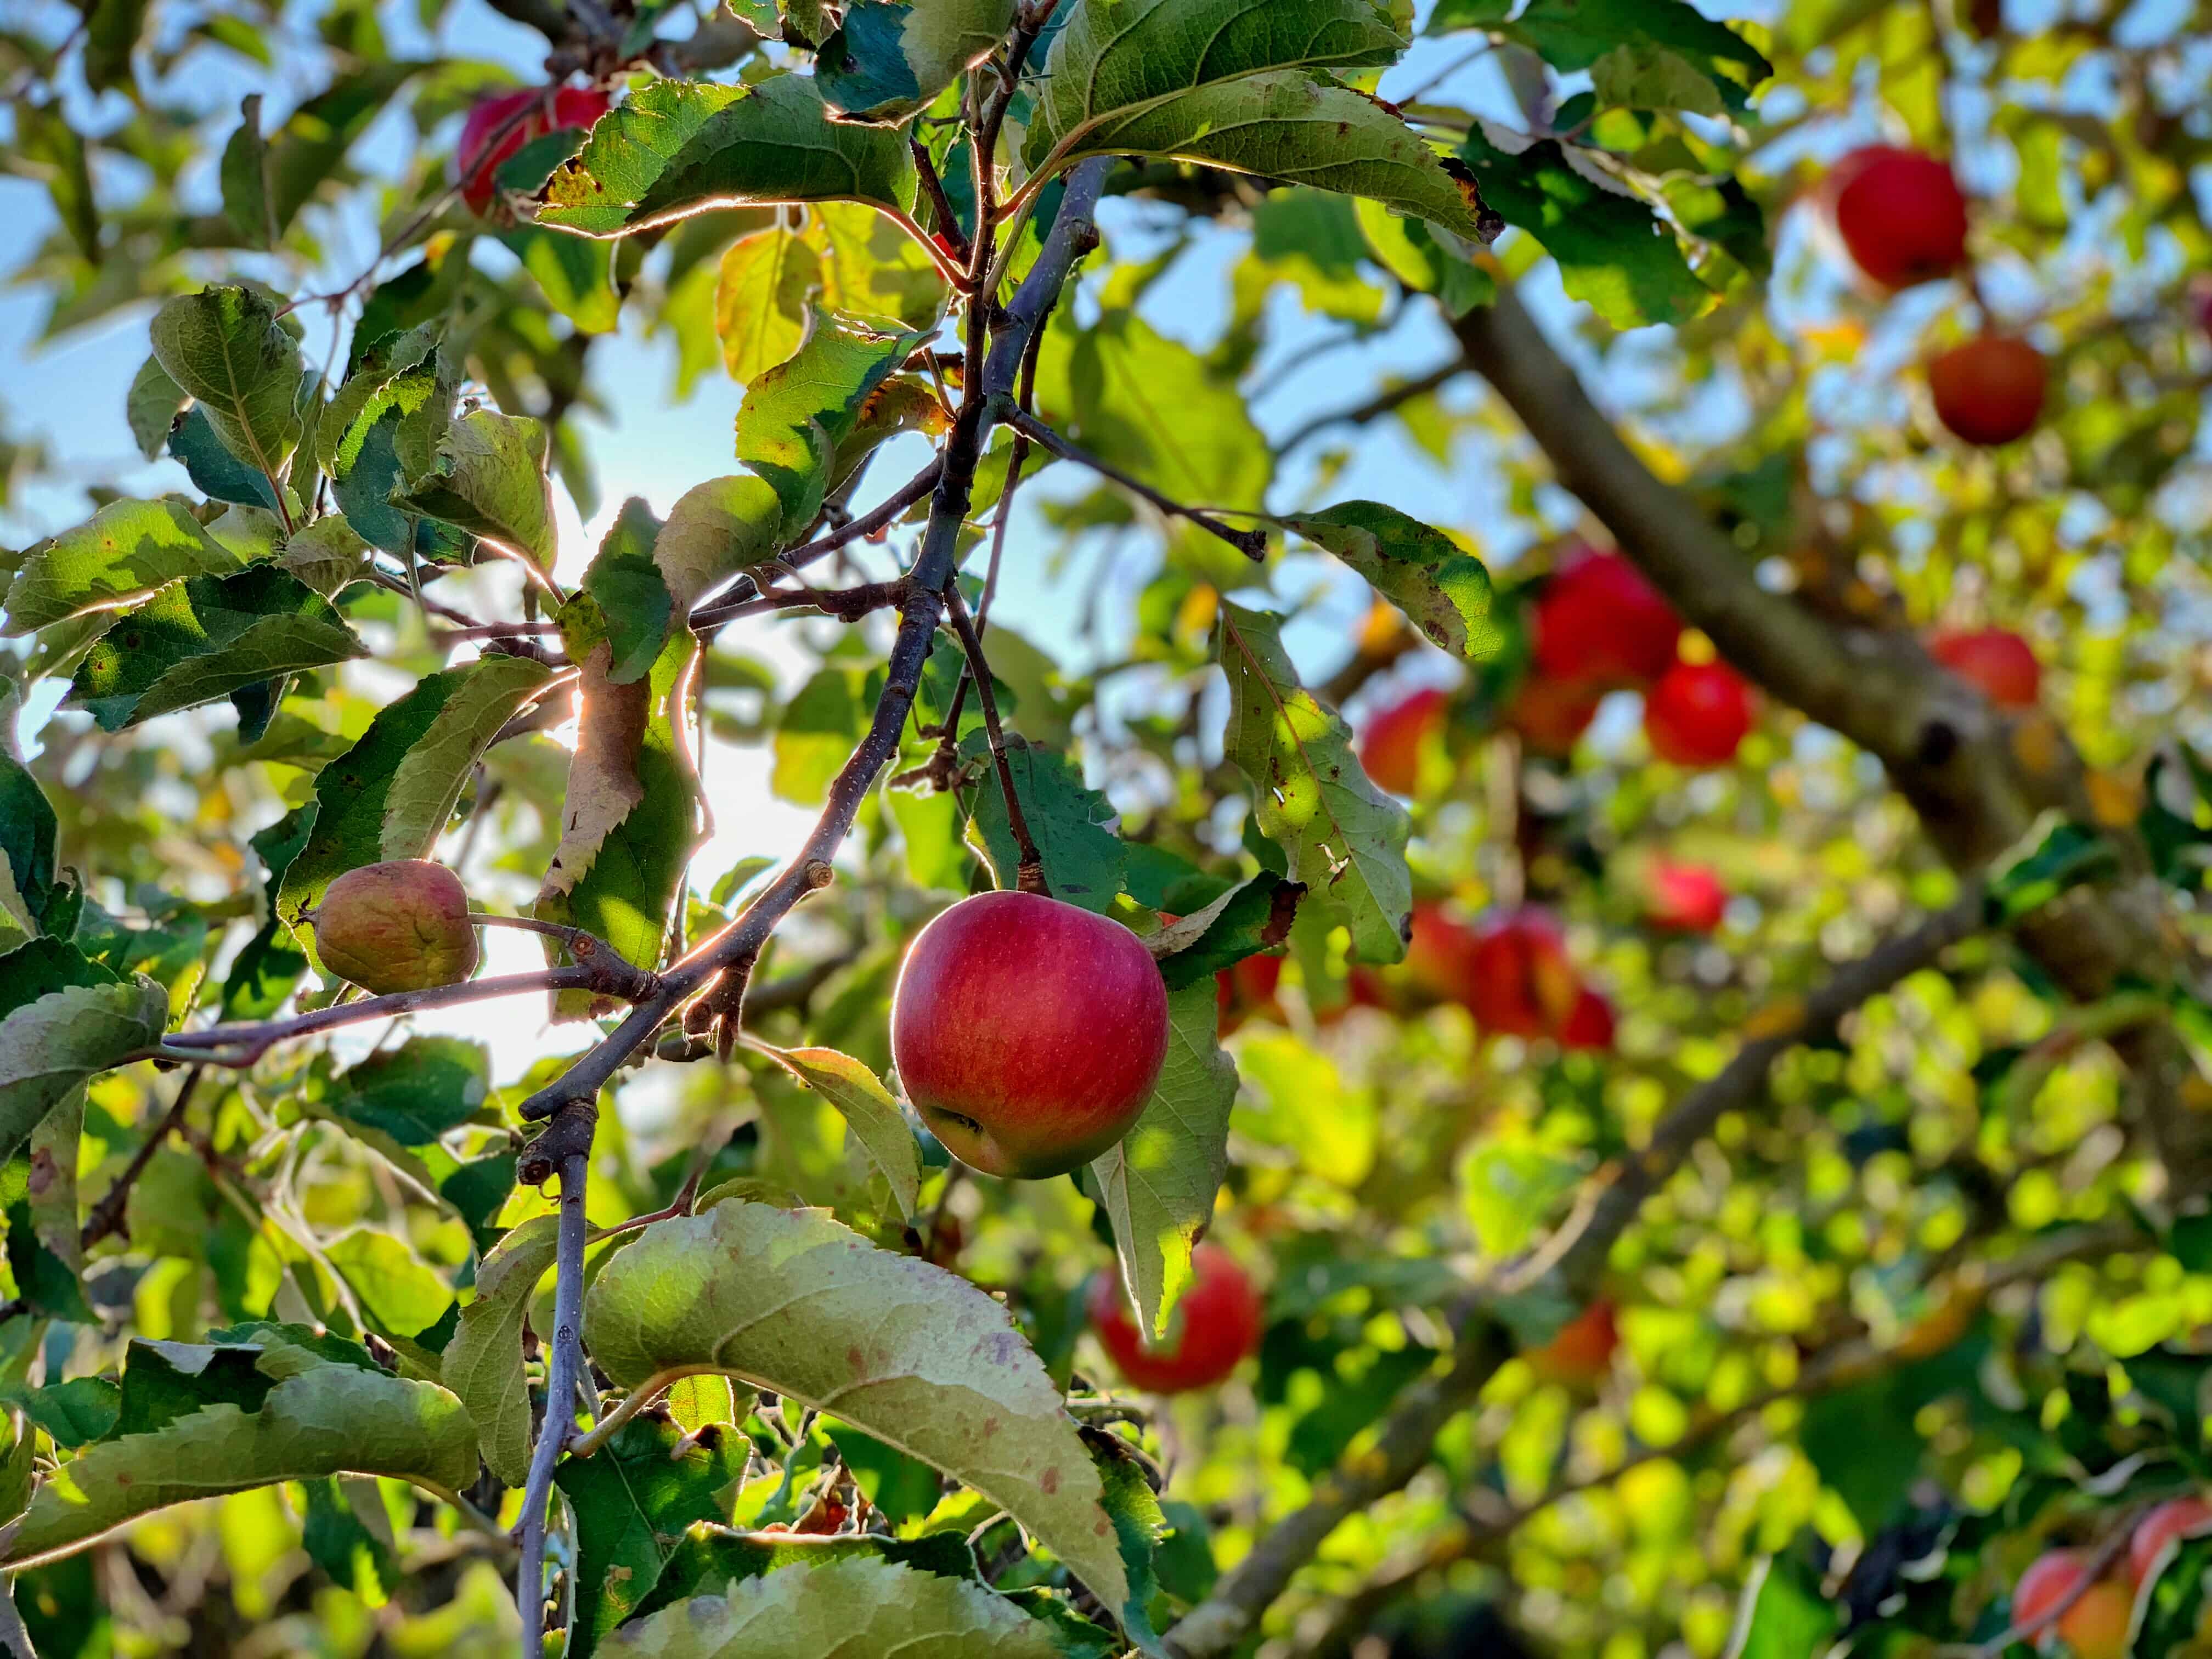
(1252, 544)
(561, 1373)
(1376, 407)
(739, 598)
(1029, 877)
(1611, 1199)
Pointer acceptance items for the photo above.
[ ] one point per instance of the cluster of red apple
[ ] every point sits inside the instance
(1902, 217)
(1597, 627)
(2095, 1621)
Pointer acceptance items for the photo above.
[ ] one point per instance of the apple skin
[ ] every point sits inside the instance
(2178, 1517)
(1582, 1352)
(1391, 747)
(1598, 622)
(399, 926)
(1996, 659)
(1990, 390)
(1698, 714)
(1589, 1025)
(1552, 715)
(1028, 1033)
(1901, 214)
(478, 160)
(1214, 1326)
(1684, 898)
(1519, 981)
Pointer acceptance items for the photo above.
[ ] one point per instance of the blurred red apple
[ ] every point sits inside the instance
(1519, 980)
(1247, 991)
(1440, 954)
(1684, 898)
(2178, 1517)
(530, 113)
(1391, 747)
(1989, 391)
(1598, 622)
(1214, 1326)
(1589, 1026)
(1996, 659)
(1901, 214)
(1028, 1033)
(1551, 715)
(1698, 714)
(1582, 1353)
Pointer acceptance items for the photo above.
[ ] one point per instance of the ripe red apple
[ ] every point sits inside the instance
(1582, 1352)
(1519, 980)
(1684, 898)
(1989, 391)
(1589, 1026)
(2096, 1627)
(1901, 214)
(1214, 1326)
(1996, 659)
(1247, 991)
(1598, 622)
(399, 926)
(1440, 954)
(1390, 748)
(478, 160)
(1698, 714)
(2049, 1580)
(2178, 1517)
(1028, 1033)
(1551, 715)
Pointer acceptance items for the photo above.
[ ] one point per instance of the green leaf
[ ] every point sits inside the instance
(483, 1361)
(858, 1605)
(869, 1112)
(47, 146)
(319, 1420)
(111, 28)
(918, 1358)
(1073, 827)
(75, 1412)
(416, 1092)
(1342, 837)
(391, 794)
(223, 346)
(356, 1553)
(151, 406)
(205, 637)
(380, 435)
(1444, 592)
(625, 582)
(50, 1045)
(890, 58)
(761, 299)
(577, 276)
(215, 471)
(630, 817)
(245, 178)
(27, 840)
(1613, 253)
(795, 415)
(1784, 1616)
(632, 1500)
(2068, 856)
(1242, 922)
(328, 555)
(489, 480)
(401, 1295)
(1158, 1184)
(678, 148)
(311, 144)
(1118, 60)
(709, 1558)
(1134, 1509)
(715, 530)
(1624, 44)
(1512, 1181)
(1291, 126)
(122, 553)
(817, 730)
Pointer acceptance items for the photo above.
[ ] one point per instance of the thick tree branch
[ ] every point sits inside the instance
(1481, 1343)
(562, 1354)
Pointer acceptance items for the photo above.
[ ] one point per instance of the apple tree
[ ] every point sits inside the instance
(1500, 707)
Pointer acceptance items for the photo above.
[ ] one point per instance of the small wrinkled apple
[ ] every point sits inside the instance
(400, 925)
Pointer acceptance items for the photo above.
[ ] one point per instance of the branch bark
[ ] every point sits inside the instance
(1481, 1343)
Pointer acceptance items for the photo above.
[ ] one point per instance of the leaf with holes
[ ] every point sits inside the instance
(1443, 590)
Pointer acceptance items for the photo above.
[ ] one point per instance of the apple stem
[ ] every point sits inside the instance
(1030, 872)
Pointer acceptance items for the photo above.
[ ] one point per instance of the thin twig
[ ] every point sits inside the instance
(740, 598)
(1376, 407)
(1029, 873)
(1252, 544)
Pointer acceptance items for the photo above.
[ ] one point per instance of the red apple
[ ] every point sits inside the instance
(541, 110)
(1598, 622)
(1247, 991)
(1440, 954)
(1698, 714)
(2178, 1517)
(1519, 980)
(2049, 1581)
(1214, 1326)
(1390, 748)
(1589, 1026)
(1989, 391)
(399, 926)
(1901, 214)
(2096, 1627)
(1996, 659)
(1028, 1033)
(1551, 715)
(1684, 898)
(1582, 1353)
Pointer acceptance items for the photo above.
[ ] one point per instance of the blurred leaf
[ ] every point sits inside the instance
(400, 1294)
(791, 1301)
(1344, 838)
(1159, 1183)
(576, 276)
(1784, 1616)
(2068, 855)
(761, 299)
(111, 28)
(678, 148)
(415, 1092)
(46, 145)
(245, 178)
